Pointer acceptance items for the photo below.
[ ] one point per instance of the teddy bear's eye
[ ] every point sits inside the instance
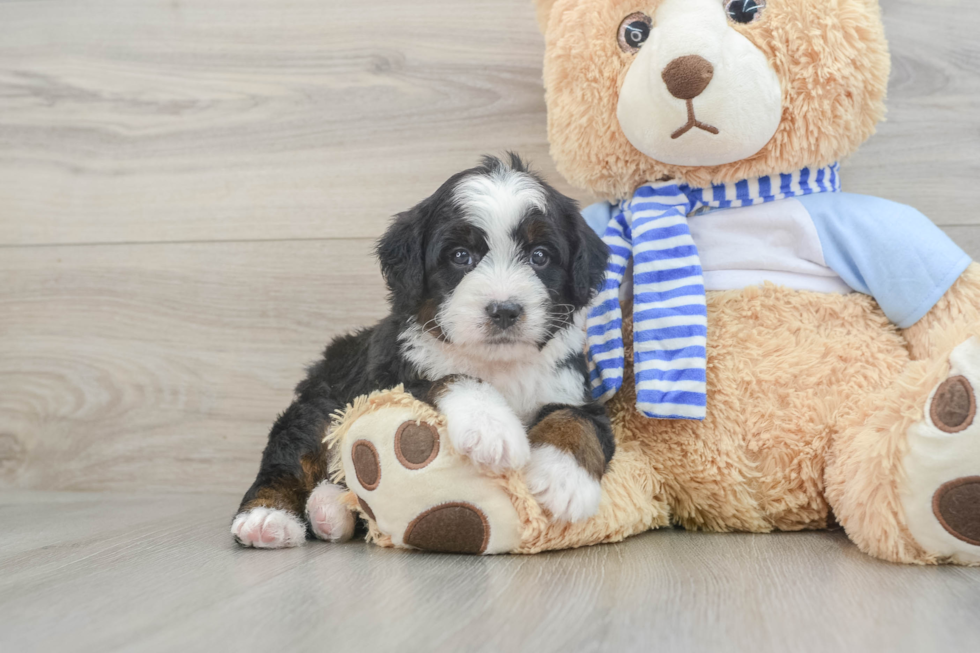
(634, 31)
(744, 11)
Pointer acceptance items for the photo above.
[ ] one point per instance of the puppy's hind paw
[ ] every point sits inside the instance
(330, 519)
(561, 485)
(268, 528)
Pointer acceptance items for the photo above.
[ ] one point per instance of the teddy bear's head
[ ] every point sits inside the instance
(708, 91)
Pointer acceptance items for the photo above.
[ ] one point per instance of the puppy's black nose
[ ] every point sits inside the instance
(504, 314)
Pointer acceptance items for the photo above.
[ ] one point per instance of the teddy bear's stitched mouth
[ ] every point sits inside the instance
(693, 122)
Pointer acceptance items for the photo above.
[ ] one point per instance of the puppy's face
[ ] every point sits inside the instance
(494, 260)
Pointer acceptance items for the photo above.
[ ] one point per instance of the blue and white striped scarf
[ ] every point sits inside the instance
(669, 313)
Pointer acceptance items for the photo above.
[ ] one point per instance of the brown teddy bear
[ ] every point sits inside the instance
(776, 354)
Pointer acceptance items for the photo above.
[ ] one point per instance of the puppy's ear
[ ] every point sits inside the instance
(401, 252)
(588, 263)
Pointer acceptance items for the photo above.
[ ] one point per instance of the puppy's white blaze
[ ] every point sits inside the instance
(496, 204)
(561, 486)
(268, 528)
(329, 518)
(482, 426)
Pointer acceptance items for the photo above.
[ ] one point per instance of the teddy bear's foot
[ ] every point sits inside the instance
(415, 488)
(941, 491)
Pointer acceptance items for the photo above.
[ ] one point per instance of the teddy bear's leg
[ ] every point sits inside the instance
(940, 490)
(414, 487)
(904, 480)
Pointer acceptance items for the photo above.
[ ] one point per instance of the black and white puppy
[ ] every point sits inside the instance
(489, 278)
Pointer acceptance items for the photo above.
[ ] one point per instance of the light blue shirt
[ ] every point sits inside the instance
(880, 248)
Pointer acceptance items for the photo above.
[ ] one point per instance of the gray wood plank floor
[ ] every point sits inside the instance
(107, 572)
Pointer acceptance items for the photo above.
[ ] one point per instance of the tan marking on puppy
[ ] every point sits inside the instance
(426, 318)
(565, 430)
(291, 494)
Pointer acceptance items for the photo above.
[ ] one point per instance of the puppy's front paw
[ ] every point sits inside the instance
(483, 427)
(330, 520)
(492, 439)
(561, 485)
(268, 528)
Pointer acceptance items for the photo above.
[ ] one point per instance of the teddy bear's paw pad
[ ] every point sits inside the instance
(416, 445)
(941, 488)
(330, 519)
(418, 490)
(367, 466)
(954, 405)
(268, 528)
(449, 528)
(957, 507)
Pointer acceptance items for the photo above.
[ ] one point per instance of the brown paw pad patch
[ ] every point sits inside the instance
(957, 507)
(367, 465)
(954, 405)
(366, 508)
(416, 445)
(449, 528)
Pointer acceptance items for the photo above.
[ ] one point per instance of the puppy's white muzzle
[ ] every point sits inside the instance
(499, 279)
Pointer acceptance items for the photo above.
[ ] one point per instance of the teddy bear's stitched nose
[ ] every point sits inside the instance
(687, 77)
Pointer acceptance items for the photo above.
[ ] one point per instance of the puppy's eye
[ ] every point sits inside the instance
(635, 30)
(540, 258)
(744, 11)
(461, 257)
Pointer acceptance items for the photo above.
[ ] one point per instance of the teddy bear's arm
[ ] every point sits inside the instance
(887, 250)
(946, 323)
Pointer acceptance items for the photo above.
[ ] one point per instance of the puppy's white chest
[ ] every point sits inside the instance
(526, 382)
(525, 387)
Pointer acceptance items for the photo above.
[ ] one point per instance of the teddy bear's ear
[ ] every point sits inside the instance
(544, 12)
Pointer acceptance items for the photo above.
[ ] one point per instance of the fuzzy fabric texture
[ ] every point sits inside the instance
(830, 56)
(949, 321)
(782, 367)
